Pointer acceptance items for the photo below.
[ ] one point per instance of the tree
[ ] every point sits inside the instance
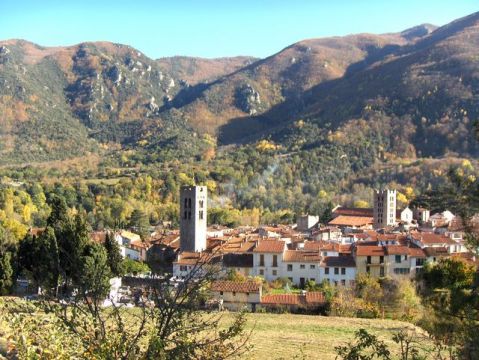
(140, 223)
(6, 273)
(114, 254)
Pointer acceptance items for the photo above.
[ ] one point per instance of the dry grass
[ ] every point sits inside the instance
(286, 336)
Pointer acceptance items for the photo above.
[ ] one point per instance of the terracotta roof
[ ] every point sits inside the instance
(36, 231)
(366, 212)
(139, 244)
(339, 261)
(416, 252)
(301, 256)
(345, 248)
(343, 220)
(397, 250)
(309, 299)
(321, 246)
(369, 251)
(428, 238)
(269, 246)
(234, 286)
(98, 236)
(193, 258)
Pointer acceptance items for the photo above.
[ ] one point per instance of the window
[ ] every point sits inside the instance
(368, 259)
(343, 282)
(290, 279)
(275, 260)
(275, 272)
(381, 271)
(290, 267)
(325, 253)
(336, 271)
(312, 279)
(419, 262)
(201, 214)
(189, 203)
(343, 271)
(234, 293)
(312, 266)
(261, 272)
(221, 292)
(183, 268)
(397, 259)
(261, 260)
(381, 259)
(201, 204)
(189, 214)
(302, 266)
(326, 271)
(401, 271)
(335, 283)
(368, 269)
(186, 202)
(185, 215)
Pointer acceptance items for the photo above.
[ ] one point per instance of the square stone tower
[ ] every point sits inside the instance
(193, 218)
(384, 211)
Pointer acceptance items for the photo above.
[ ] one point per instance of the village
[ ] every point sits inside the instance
(382, 241)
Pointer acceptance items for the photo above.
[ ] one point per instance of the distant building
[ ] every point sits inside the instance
(307, 222)
(384, 211)
(193, 214)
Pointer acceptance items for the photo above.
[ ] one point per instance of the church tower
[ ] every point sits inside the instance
(384, 211)
(193, 218)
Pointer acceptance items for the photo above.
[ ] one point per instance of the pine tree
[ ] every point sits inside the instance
(114, 255)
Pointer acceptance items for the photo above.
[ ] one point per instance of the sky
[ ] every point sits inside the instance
(215, 28)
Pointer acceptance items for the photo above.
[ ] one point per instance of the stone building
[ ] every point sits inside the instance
(193, 216)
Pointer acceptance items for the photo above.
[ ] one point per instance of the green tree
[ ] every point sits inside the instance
(114, 254)
(140, 223)
(6, 273)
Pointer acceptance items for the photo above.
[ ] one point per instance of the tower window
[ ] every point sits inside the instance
(201, 214)
(184, 216)
(189, 203)
(189, 214)
(201, 203)
(186, 202)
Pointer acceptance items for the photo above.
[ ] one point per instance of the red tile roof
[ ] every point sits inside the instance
(321, 246)
(269, 246)
(416, 252)
(301, 256)
(309, 299)
(234, 286)
(343, 220)
(397, 250)
(428, 238)
(369, 251)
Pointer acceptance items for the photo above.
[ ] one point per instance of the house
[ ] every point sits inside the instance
(370, 260)
(338, 270)
(241, 263)
(441, 219)
(406, 215)
(327, 233)
(421, 215)
(398, 262)
(306, 222)
(430, 239)
(267, 258)
(417, 258)
(237, 295)
(190, 264)
(301, 266)
(305, 301)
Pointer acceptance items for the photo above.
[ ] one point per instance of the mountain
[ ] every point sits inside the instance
(424, 92)
(412, 93)
(199, 70)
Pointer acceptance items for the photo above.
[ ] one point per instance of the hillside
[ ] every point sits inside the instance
(417, 88)
(198, 70)
(421, 98)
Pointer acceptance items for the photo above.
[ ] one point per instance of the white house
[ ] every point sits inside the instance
(268, 258)
(338, 270)
(406, 215)
(301, 266)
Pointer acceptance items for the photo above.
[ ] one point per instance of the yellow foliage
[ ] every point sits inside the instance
(361, 204)
(322, 194)
(211, 185)
(467, 164)
(265, 145)
(401, 198)
(409, 192)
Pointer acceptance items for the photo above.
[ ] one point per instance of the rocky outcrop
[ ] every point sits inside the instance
(248, 99)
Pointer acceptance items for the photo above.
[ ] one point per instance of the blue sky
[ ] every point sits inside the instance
(215, 28)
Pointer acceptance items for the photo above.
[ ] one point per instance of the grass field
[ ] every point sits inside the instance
(285, 336)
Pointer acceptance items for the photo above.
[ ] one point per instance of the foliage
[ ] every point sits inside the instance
(130, 266)
(114, 254)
